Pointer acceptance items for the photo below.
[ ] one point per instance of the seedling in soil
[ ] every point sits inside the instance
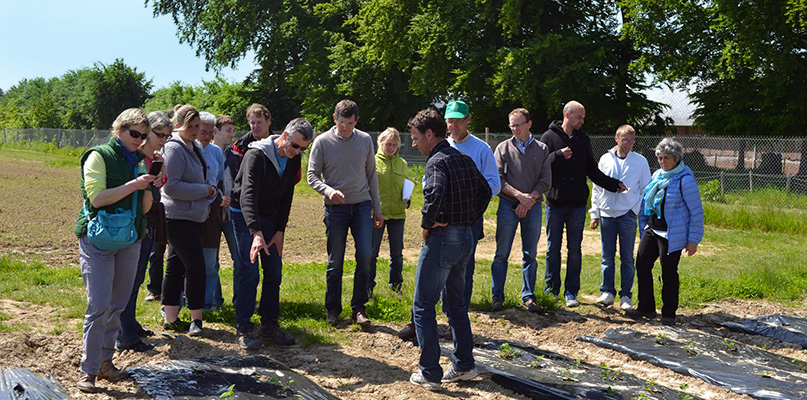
(661, 338)
(730, 344)
(767, 374)
(506, 352)
(229, 393)
(684, 396)
(610, 391)
(578, 362)
(609, 374)
(650, 385)
(537, 362)
(567, 374)
(690, 349)
(642, 396)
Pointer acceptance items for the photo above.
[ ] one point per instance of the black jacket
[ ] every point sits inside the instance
(569, 187)
(238, 149)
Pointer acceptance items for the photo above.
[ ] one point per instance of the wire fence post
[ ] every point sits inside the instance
(722, 185)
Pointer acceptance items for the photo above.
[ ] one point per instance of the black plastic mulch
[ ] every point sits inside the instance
(785, 328)
(254, 377)
(541, 374)
(740, 368)
(24, 384)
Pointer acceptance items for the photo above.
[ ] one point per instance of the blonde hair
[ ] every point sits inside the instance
(184, 115)
(129, 117)
(389, 133)
(626, 129)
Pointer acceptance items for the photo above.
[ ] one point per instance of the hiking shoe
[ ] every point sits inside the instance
(138, 347)
(407, 333)
(152, 296)
(417, 379)
(272, 331)
(246, 339)
(606, 299)
(453, 375)
(86, 383)
(196, 328)
(638, 314)
(333, 319)
(360, 318)
(496, 305)
(110, 372)
(177, 326)
(531, 306)
(143, 332)
(571, 301)
(669, 321)
(626, 303)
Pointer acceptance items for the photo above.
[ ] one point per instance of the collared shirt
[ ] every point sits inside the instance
(522, 146)
(454, 190)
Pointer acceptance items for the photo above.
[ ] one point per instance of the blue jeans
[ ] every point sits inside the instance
(573, 218)
(395, 234)
(477, 234)
(229, 235)
(623, 227)
(272, 266)
(442, 263)
(156, 261)
(506, 223)
(338, 219)
(129, 327)
(212, 281)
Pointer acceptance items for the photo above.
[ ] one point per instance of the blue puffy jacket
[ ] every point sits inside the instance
(683, 211)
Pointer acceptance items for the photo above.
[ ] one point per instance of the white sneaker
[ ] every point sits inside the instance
(606, 299)
(452, 375)
(417, 379)
(571, 301)
(627, 304)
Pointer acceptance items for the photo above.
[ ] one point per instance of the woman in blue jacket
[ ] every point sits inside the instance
(670, 221)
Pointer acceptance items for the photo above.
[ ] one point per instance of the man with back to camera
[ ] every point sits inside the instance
(525, 173)
(341, 167)
(572, 159)
(455, 195)
(263, 192)
(616, 214)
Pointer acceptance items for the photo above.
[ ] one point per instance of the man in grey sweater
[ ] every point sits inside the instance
(341, 167)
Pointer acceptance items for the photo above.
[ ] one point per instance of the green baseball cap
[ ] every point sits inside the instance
(456, 109)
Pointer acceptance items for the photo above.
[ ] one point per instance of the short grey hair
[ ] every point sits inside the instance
(207, 118)
(670, 147)
(301, 126)
(158, 120)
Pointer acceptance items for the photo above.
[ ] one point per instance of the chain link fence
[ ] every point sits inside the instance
(722, 165)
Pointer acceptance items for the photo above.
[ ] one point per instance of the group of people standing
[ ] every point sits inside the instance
(207, 187)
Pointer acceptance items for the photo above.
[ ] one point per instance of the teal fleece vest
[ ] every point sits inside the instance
(117, 173)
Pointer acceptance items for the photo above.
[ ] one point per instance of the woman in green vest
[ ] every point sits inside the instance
(111, 175)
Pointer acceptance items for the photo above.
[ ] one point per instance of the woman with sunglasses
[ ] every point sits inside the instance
(111, 174)
(185, 196)
(130, 330)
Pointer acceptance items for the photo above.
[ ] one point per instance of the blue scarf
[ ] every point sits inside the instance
(131, 158)
(657, 188)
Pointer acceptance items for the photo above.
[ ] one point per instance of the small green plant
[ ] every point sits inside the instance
(506, 352)
(537, 362)
(650, 385)
(610, 391)
(711, 192)
(661, 338)
(641, 396)
(767, 374)
(578, 362)
(730, 345)
(229, 393)
(690, 349)
(567, 374)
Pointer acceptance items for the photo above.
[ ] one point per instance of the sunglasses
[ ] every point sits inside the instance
(298, 147)
(135, 134)
(162, 135)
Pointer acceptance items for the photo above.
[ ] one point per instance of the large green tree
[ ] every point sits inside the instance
(216, 96)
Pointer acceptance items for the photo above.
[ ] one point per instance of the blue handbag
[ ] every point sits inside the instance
(113, 230)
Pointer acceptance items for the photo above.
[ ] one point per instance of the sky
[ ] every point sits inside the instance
(47, 38)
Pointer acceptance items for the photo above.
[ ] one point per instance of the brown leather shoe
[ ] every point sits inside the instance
(361, 318)
(86, 383)
(110, 372)
(407, 333)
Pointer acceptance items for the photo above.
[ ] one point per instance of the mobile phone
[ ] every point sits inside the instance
(156, 167)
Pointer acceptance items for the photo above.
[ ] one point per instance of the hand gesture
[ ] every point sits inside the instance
(337, 197)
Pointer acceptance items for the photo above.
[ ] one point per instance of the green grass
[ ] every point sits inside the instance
(43, 152)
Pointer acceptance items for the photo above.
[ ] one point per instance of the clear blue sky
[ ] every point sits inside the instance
(46, 38)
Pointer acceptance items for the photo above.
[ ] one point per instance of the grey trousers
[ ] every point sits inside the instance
(108, 277)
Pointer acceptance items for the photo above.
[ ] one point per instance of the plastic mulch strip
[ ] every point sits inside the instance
(541, 374)
(24, 384)
(740, 368)
(785, 328)
(248, 377)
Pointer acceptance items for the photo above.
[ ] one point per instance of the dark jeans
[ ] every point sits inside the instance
(249, 276)
(129, 327)
(573, 218)
(338, 219)
(229, 235)
(477, 234)
(185, 264)
(652, 247)
(395, 234)
(156, 260)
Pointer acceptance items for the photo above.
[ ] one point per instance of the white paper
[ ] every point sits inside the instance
(408, 187)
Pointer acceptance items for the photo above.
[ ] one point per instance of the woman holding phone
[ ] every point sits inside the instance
(185, 195)
(113, 176)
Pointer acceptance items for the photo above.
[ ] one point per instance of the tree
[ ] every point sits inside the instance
(216, 96)
(114, 88)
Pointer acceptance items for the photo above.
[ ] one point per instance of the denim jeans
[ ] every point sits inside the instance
(156, 261)
(573, 218)
(129, 327)
(624, 228)
(442, 263)
(272, 266)
(477, 234)
(338, 219)
(212, 281)
(395, 234)
(229, 235)
(506, 223)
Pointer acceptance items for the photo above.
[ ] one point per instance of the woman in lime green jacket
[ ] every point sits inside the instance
(391, 170)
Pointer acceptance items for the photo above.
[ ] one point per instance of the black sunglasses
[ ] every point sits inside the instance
(135, 134)
(298, 147)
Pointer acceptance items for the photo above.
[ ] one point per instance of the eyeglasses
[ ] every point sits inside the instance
(162, 135)
(515, 126)
(298, 147)
(135, 134)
